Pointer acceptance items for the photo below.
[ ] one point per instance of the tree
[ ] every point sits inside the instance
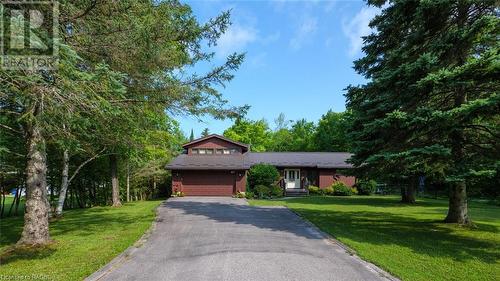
(297, 138)
(205, 132)
(281, 122)
(331, 133)
(255, 133)
(125, 77)
(431, 102)
(191, 136)
(262, 174)
(302, 133)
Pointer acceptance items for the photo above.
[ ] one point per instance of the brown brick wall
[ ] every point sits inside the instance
(328, 176)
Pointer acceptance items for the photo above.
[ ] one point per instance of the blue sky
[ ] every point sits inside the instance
(299, 56)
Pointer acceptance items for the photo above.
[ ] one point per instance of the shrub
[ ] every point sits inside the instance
(179, 194)
(366, 187)
(262, 174)
(313, 189)
(262, 191)
(249, 195)
(328, 190)
(341, 189)
(240, 194)
(276, 191)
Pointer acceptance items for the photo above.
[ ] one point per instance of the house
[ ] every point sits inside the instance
(218, 166)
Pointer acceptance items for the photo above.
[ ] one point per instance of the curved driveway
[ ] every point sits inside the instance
(207, 238)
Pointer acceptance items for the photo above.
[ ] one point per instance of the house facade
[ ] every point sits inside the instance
(218, 166)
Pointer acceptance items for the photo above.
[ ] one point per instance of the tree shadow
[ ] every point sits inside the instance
(426, 237)
(78, 222)
(378, 201)
(270, 218)
(15, 253)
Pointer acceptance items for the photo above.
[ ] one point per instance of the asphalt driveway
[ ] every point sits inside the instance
(207, 238)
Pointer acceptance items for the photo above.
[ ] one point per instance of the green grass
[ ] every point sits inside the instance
(411, 242)
(85, 240)
(8, 202)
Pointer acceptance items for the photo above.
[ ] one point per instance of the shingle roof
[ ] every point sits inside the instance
(208, 162)
(301, 159)
(245, 161)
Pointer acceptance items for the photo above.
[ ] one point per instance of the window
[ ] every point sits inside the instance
(219, 151)
(233, 151)
(209, 151)
(195, 151)
(226, 151)
(202, 151)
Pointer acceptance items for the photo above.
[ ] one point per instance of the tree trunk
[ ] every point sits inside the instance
(18, 189)
(64, 184)
(409, 192)
(36, 217)
(128, 182)
(457, 209)
(2, 199)
(113, 162)
(16, 211)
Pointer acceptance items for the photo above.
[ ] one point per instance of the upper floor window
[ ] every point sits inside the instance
(210, 151)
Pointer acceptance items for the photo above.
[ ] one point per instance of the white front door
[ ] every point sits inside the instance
(292, 178)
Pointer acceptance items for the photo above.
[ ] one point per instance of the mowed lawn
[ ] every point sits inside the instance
(85, 240)
(9, 199)
(408, 241)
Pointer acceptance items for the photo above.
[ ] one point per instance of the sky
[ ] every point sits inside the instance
(299, 57)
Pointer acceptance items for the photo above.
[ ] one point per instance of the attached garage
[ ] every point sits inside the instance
(208, 183)
(217, 166)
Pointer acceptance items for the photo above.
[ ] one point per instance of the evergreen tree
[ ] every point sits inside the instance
(191, 136)
(205, 132)
(431, 106)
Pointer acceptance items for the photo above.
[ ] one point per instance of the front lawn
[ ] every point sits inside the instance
(408, 241)
(85, 240)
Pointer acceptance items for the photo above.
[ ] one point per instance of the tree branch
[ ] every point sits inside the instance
(97, 155)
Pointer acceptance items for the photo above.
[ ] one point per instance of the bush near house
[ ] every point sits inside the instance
(341, 189)
(314, 190)
(276, 191)
(366, 187)
(249, 195)
(262, 191)
(262, 174)
(328, 190)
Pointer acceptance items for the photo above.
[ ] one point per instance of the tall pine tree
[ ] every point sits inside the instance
(431, 104)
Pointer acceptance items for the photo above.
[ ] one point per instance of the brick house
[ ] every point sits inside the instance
(218, 166)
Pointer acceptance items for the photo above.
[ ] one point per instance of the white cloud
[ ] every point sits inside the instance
(357, 27)
(306, 29)
(235, 39)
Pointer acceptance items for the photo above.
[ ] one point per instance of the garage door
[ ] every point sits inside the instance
(208, 183)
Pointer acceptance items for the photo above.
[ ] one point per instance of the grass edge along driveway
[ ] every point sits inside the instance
(85, 240)
(410, 242)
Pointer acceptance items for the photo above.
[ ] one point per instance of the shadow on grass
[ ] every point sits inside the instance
(373, 201)
(15, 253)
(422, 235)
(78, 222)
(426, 237)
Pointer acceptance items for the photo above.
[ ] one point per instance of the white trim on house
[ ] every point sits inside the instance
(292, 178)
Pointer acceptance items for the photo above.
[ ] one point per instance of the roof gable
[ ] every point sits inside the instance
(246, 147)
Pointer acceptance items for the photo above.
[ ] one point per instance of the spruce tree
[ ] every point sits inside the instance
(191, 137)
(431, 104)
